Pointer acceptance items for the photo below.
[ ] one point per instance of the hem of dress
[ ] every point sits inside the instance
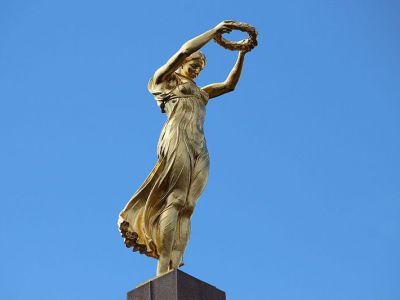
(131, 241)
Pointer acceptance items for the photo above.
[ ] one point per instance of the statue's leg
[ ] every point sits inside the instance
(168, 223)
(198, 183)
(182, 237)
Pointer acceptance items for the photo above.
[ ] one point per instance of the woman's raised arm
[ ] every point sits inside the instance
(187, 49)
(218, 89)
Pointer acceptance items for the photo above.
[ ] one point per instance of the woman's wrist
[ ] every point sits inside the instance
(214, 30)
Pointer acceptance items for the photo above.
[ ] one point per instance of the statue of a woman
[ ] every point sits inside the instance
(156, 220)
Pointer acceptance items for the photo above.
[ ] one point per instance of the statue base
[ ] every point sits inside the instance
(176, 285)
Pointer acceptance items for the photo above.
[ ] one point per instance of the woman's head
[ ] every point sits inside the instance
(193, 65)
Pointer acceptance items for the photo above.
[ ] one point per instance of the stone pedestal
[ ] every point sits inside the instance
(176, 285)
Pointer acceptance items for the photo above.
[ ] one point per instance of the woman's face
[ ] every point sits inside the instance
(192, 68)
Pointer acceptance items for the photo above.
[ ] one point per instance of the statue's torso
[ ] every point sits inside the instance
(186, 111)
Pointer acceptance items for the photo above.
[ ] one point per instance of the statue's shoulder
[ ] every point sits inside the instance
(163, 87)
(163, 91)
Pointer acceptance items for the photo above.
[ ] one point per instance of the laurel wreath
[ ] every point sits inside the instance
(245, 45)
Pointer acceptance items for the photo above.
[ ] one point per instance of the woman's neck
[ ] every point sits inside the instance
(188, 78)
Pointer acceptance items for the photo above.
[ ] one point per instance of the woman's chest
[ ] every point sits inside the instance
(188, 89)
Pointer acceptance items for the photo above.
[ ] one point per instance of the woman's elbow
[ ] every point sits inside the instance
(229, 87)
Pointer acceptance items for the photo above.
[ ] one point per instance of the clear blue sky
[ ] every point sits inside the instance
(303, 199)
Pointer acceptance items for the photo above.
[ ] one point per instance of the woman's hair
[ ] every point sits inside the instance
(196, 55)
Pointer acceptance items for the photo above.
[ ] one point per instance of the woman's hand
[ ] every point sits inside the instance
(218, 89)
(223, 27)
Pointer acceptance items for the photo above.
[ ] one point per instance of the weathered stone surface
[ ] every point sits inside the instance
(176, 285)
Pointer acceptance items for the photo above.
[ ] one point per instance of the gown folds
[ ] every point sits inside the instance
(181, 170)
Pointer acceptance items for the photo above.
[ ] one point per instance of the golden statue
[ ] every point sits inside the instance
(156, 220)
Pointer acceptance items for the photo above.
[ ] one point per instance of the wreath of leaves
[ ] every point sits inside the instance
(245, 45)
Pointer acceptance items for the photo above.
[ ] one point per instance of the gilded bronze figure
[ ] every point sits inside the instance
(156, 220)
